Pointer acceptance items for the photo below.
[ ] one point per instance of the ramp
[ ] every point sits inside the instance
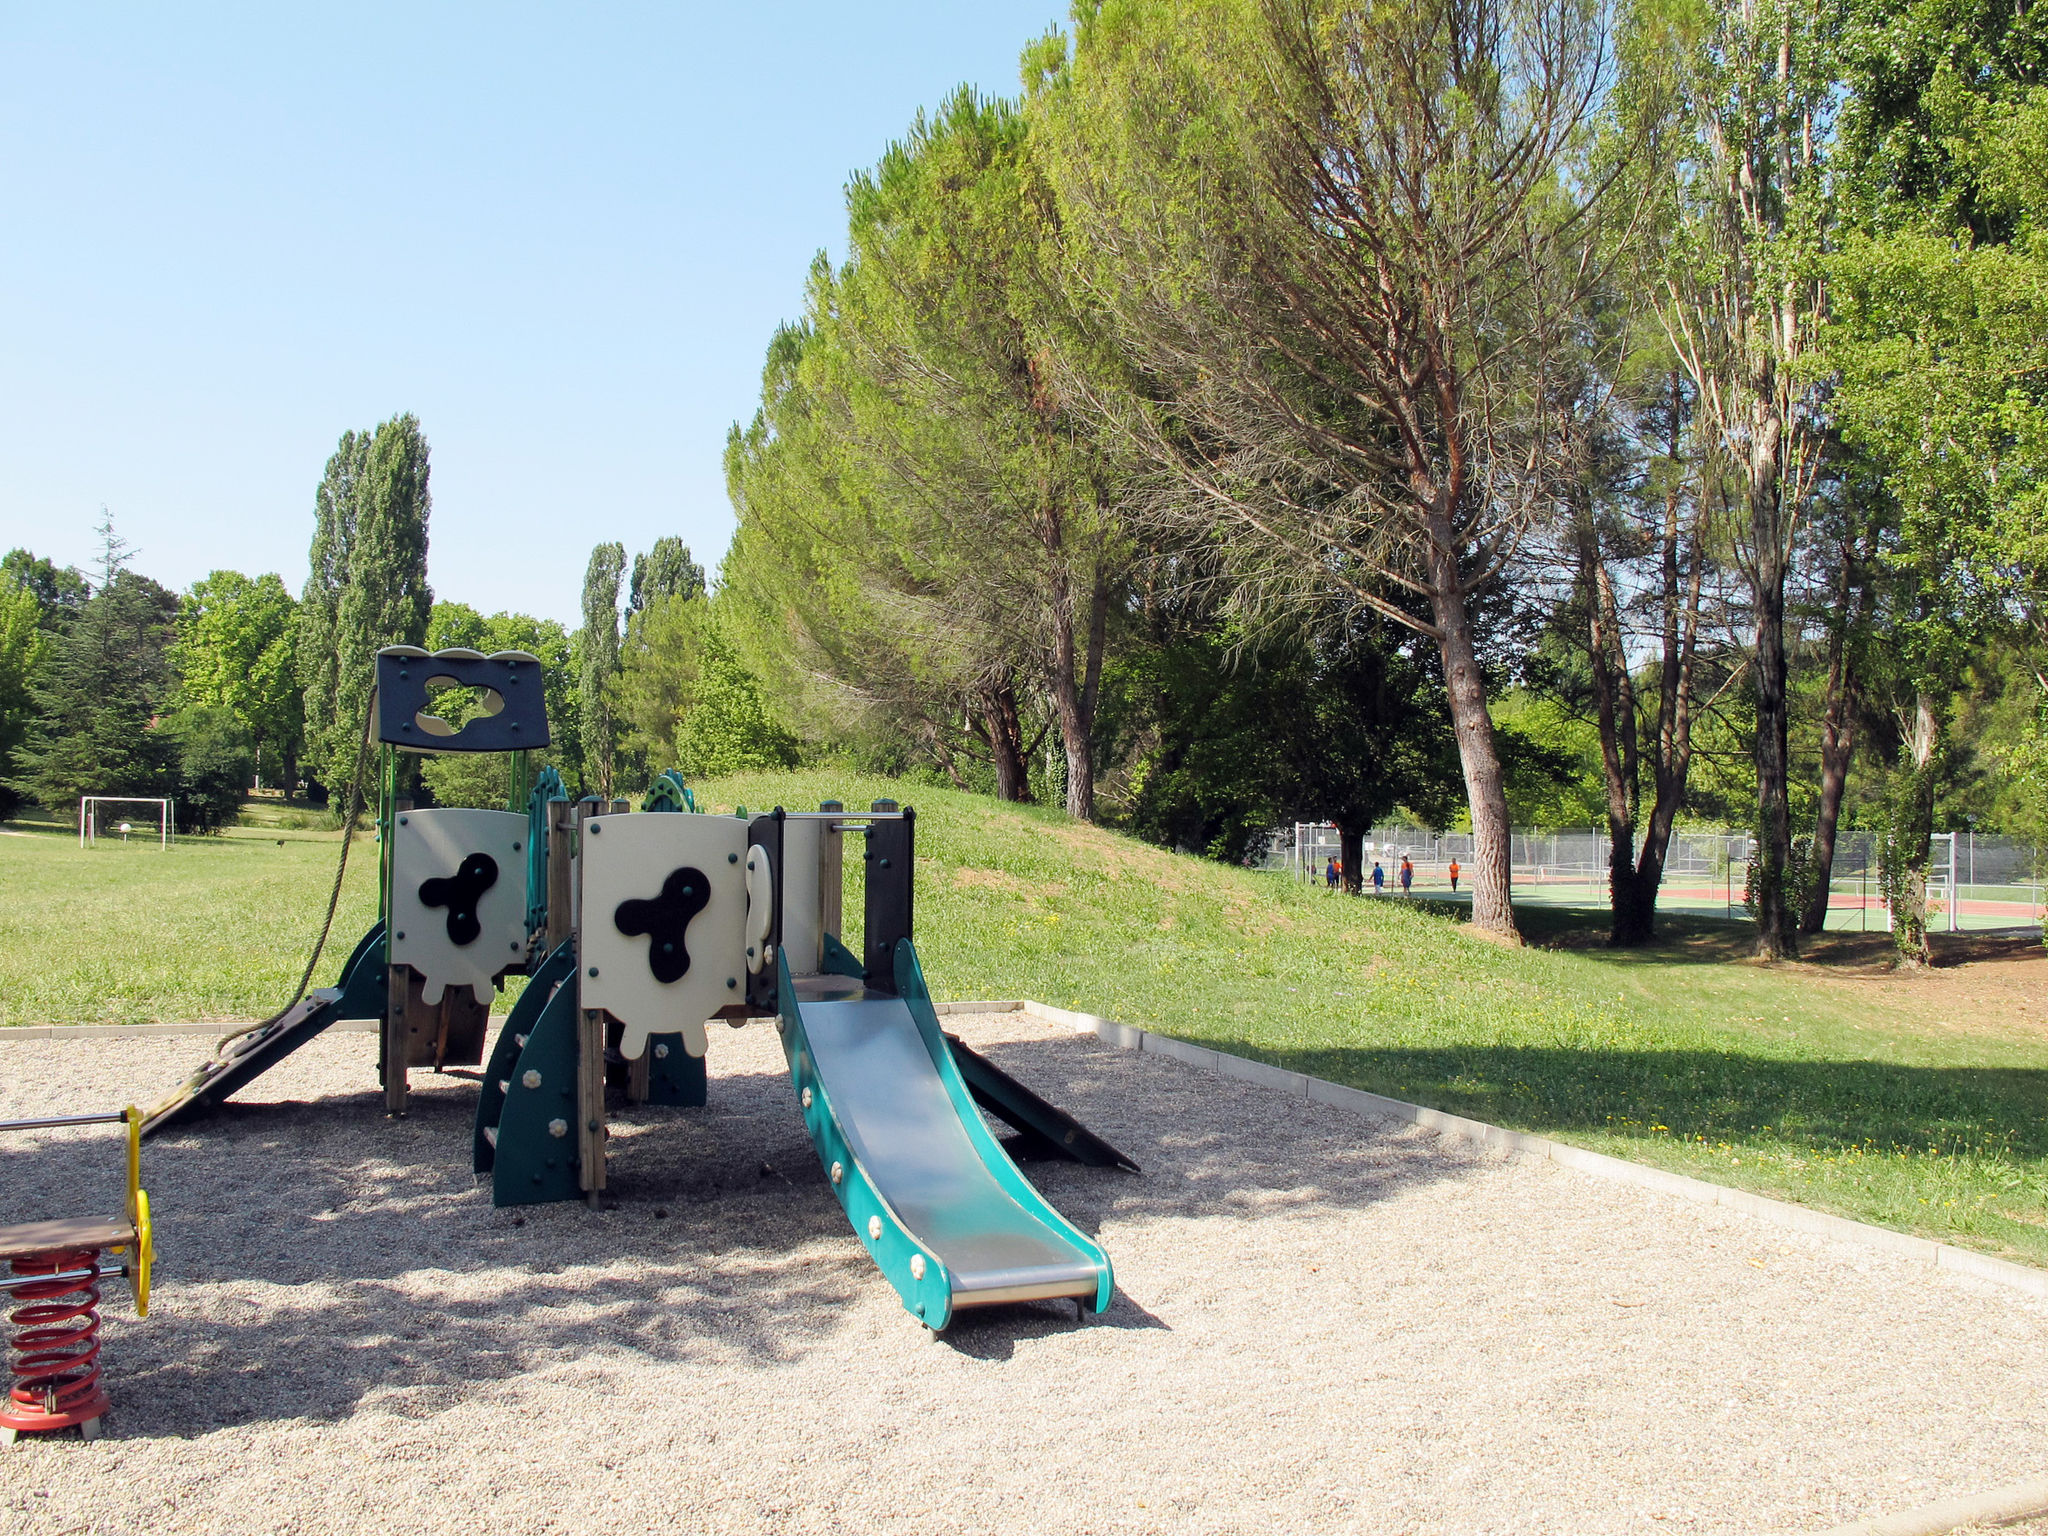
(360, 996)
(944, 1212)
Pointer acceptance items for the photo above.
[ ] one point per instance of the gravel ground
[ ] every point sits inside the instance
(1323, 1324)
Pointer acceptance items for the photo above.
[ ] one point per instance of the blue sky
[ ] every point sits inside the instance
(560, 235)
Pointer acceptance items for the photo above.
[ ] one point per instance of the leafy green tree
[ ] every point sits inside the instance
(24, 649)
(216, 760)
(666, 570)
(1248, 736)
(1745, 204)
(598, 662)
(481, 779)
(687, 700)
(237, 651)
(59, 591)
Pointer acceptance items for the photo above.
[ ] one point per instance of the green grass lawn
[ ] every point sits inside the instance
(1782, 1081)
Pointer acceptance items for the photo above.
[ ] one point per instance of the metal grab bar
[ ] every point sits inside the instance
(49, 1122)
(101, 1272)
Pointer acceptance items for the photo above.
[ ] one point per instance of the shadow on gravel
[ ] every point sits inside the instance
(315, 1255)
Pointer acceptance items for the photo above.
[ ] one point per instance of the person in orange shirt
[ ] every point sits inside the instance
(1454, 877)
(1407, 874)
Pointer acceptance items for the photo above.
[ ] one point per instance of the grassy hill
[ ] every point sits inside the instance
(1772, 1080)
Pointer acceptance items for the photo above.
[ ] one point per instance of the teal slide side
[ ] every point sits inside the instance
(533, 1150)
(911, 985)
(839, 960)
(360, 996)
(944, 1214)
(490, 1103)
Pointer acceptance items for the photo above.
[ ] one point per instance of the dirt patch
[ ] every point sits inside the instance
(1001, 880)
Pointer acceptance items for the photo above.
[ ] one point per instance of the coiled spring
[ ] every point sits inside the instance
(56, 1343)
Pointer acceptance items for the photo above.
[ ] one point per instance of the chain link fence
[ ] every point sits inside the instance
(1973, 882)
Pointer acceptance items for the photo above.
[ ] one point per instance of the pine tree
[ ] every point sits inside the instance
(99, 706)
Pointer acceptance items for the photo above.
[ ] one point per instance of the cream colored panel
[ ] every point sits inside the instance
(631, 858)
(433, 845)
(802, 921)
(760, 906)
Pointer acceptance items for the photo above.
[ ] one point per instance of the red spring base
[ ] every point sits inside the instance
(56, 1344)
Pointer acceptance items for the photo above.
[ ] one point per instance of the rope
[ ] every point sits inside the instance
(348, 832)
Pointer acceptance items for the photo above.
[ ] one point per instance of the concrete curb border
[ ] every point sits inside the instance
(2019, 1502)
(1781, 1213)
(2001, 1272)
(142, 1031)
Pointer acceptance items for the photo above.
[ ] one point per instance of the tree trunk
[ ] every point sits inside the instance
(1485, 789)
(1910, 834)
(1075, 683)
(1777, 936)
(1615, 714)
(1006, 740)
(1837, 747)
(1854, 601)
(1350, 855)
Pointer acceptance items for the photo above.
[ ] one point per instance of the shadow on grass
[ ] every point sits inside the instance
(1719, 1095)
(314, 1255)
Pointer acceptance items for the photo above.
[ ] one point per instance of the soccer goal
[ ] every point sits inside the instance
(97, 818)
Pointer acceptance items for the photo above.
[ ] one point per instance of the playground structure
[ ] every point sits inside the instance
(54, 1284)
(634, 930)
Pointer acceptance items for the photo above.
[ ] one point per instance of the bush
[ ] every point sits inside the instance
(216, 764)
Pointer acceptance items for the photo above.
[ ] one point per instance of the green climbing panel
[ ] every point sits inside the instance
(558, 967)
(534, 1156)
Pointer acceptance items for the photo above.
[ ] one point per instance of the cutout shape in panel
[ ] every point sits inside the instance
(457, 917)
(633, 870)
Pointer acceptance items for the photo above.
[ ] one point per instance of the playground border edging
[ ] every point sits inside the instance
(139, 1031)
(1781, 1213)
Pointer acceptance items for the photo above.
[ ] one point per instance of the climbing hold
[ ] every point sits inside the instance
(805, 1097)
(530, 1078)
(874, 1229)
(838, 1172)
(917, 1266)
(558, 1128)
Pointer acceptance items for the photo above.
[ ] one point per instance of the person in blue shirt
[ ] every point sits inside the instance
(1330, 874)
(1379, 879)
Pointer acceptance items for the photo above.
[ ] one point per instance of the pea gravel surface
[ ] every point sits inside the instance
(1322, 1324)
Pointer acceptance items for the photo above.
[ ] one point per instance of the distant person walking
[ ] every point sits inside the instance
(1379, 879)
(1454, 877)
(1330, 874)
(1407, 874)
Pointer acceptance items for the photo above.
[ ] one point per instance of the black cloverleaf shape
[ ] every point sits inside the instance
(683, 895)
(459, 893)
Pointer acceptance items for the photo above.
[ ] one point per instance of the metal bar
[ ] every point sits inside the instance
(51, 1121)
(842, 815)
(103, 1272)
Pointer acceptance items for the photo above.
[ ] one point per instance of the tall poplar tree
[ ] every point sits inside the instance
(600, 659)
(666, 570)
(373, 511)
(319, 656)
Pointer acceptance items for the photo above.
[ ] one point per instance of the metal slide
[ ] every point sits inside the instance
(943, 1211)
(360, 996)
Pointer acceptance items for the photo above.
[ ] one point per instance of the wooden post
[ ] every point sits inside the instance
(561, 868)
(639, 1072)
(397, 1045)
(590, 1126)
(831, 873)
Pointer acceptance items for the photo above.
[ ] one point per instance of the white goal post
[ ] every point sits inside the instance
(88, 819)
